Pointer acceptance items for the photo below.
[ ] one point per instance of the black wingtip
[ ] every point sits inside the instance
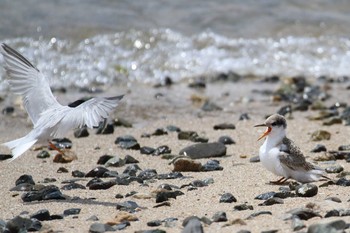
(119, 97)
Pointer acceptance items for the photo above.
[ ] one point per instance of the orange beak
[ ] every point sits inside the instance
(268, 130)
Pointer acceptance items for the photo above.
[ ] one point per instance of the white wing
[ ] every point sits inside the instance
(27, 81)
(89, 113)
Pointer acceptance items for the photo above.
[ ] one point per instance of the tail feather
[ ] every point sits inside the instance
(19, 146)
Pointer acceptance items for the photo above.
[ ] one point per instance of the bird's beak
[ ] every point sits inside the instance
(268, 130)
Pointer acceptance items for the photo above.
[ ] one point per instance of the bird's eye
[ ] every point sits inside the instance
(274, 124)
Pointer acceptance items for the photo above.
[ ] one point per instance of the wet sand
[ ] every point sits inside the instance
(245, 180)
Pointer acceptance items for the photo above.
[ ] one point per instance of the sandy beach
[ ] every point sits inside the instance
(175, 105)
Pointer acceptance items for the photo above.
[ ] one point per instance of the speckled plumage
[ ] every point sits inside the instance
(282, 156)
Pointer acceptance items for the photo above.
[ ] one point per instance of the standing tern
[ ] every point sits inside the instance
(50, 119)
(282, 157)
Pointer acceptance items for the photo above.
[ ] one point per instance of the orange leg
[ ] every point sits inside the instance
(280, 181)
(52, 146)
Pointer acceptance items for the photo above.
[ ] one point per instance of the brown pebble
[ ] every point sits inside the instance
(187, 165)
(66, 157)
(122, 217)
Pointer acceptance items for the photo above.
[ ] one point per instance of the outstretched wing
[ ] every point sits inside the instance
(291, 156)
(26, 80)
(89, 113)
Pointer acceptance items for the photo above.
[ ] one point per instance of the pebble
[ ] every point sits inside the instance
(100, 228)
(204, 150)
(81, 132)
(103, 159)
(186, 165)
(344, 148)
(254, 159)
(62, 143)
(264, 212)
(302, 213)
(8, 110)
(72, 186)
(77, 173)
(162, 150)
(154, 223)
(62, 170)
(159, 132)
(115, 161)
(147, 174)
(334, 169)
(46, 193)
(306, 190)
(285, 110)
(333, 226)
(272, 201)
(67, 157)
(219, 216)
(212, 165)
(5, 156)
(319, 148)
(131, 170)
(227, 198)
(19, 224)
(43, 154)
(172, 128)
(105, 128)
(128, 206)
(129, 159)
(343, 182)
(72, 211)
(192, 225)
(191, 136)
(147, 150)
(209, 106)
(265, 196)
(171, 175)
(226, 140)
(42, 215)
(244, 117)
(164, 196)
(333, 121)
(92, 218)
(127, 142)
(320, 135)
(335, 199)
(102, 185)
(332, 213)
(224, 126)
(25, 179)
(97, 172)
(244, 206)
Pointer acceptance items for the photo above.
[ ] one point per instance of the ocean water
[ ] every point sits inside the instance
(85, 43)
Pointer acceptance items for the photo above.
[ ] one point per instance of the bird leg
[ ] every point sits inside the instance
(52, 146)
(280, 181)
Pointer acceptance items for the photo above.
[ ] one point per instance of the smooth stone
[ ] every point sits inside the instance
(319, 148)
(147, 174)
(127, 142)
(147, 150)
(198, 183)
(18, 224)
(272, 201)
(159, 132)
(62, 170)
(115, 161)
(62, 143)
(219, 216)
(94, 181)
(254, 159)
(42, 215)
(171, 175)
(335, 199)
(105, 129)
(97, 172)
(100, 228)
(191, 136)
(102, 185)
(5, 157)
(81, 132)
(344, 148)
(103, 159)
(8, 110)
(77, 173)
(297, 224)
(43, 154)
(264, 212)
(303, 213)
(265, 196)
(204, 150)
(333, 121)
(244, 117)
(172, 128)
(25, 179)
(320, 135)
(244, 206)
(226, 140)
(22, 187)
(92, 218)
(72, 211)
(227, 198)
(330, 227)
(128, 206)
(154, 223)
(285, 110)
(192, 225)
(212, 165)
(343, 182)
(46, 193)
(306, 190)
(164, 196)
(224, 126)
(162, 150)
(186, 165)
(131, 170)
(119, 196)
(197, 84)
(332, 213)
(209, 106)
(72, 186)
(334, 169)
(129, 159)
